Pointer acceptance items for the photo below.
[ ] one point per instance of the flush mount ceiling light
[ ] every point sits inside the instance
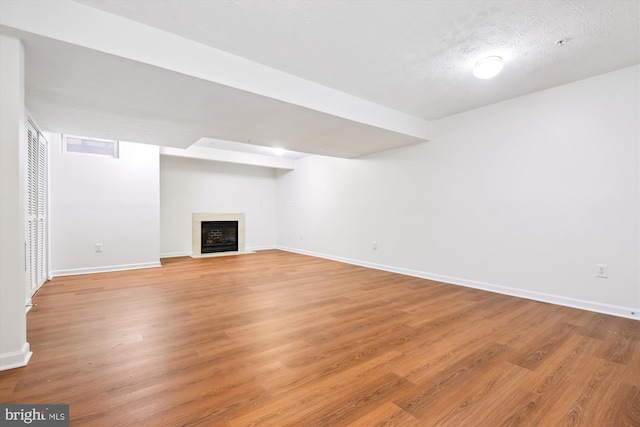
(278, 151)
(488, 67)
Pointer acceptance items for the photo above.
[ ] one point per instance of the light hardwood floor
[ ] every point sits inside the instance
(280, 339)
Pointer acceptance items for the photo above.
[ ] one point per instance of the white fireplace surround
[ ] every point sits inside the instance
(196, 232)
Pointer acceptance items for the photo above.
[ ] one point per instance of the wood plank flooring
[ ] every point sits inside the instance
(281, 339)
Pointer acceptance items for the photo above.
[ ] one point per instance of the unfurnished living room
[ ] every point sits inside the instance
(320, 213)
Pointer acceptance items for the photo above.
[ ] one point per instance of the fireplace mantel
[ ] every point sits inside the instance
(198, 217)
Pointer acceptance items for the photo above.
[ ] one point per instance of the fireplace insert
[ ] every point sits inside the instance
(219, 236)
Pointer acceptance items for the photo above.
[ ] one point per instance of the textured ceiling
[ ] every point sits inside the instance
(338, 78)
(413, 56)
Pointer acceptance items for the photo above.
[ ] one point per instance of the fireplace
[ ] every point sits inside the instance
(218, 236)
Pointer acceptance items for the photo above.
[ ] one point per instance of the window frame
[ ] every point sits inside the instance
(114, 154)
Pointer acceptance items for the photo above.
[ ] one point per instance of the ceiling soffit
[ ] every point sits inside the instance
(150, 86)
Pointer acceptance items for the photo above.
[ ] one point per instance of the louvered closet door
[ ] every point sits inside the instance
(32, 210)
(41, 249)
(36, 221)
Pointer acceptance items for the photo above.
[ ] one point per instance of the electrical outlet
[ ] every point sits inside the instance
(374, 245)
(602, 270)
(98, 247)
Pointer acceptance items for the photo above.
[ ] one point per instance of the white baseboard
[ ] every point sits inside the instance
(15, 359)
(613, 310)
(106, 269)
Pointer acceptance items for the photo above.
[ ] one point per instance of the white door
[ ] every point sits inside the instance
(42, 217)
(36, 209)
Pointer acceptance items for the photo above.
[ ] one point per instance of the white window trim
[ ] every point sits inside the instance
(116, 146)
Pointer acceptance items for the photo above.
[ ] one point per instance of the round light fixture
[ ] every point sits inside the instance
(277, 151)
(488, 67)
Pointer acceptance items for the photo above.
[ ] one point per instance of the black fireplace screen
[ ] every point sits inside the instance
(219, 236)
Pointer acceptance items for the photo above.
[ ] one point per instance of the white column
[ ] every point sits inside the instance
(14, 348)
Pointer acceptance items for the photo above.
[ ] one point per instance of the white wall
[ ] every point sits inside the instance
(193, 185)
(14, 348)
(98, 199)
(523, 197)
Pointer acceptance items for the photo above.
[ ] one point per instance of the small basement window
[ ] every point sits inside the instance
(81, 144)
